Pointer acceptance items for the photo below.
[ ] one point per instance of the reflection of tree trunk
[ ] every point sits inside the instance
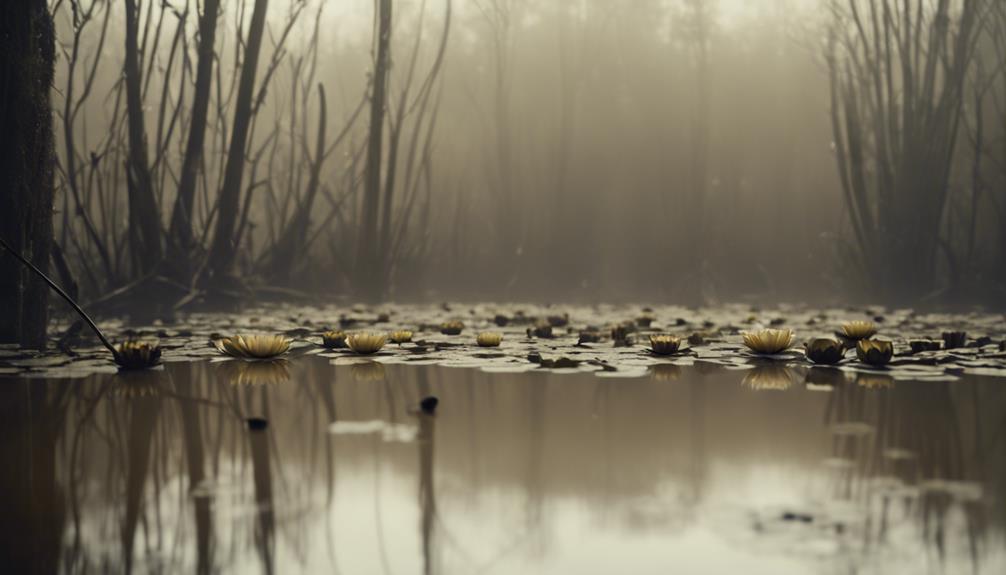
(223, 249)
(193, 437)
(366, 253)
(427, 498)
(26, 163)
(31, 525)
(181, 218)
(265, 528)
(144, 219)
(143, 414)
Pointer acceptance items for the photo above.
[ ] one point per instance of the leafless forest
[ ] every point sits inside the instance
(578, 150)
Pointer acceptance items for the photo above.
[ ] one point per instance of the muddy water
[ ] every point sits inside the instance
(685, 470)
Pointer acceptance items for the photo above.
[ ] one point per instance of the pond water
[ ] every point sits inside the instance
(314, 467)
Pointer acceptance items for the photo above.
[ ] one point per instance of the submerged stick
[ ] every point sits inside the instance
(62, 294)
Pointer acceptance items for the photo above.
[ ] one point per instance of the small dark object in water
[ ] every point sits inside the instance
(708, 324)
(777, 321)
(383, 318)
(681, 321)
(620, 334)
(429, 404)
(588, 337)
(801, 517)
(954, 339)
(1002, 345)
(501, 320)
(558, 320)
(534, 357)
(347, 321)
(981, 341)
(878, 319)
(644, 320)
(825, 351)
(562, 362)
(542, 330)
(696, 339)
(257, 423)
(920, 345)
(452, 327)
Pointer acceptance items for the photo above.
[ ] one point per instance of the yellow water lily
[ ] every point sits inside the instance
(874, 352)
(253, 346)
(401, 336)
(859, 329)
(489, 339)
(664, 344)
(452, 327)
(366, 343)
(137, 354)
(825, 351)
(769, 341)
(333, 339)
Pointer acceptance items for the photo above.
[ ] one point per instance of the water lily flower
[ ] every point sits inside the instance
(664, 344)
(769, 341)
(874, 352)
(452, 327)
(137, 355)
(253, 346)
(333, 339)
(366, 343)
(542, 330)
(489, 339)
(401, 336)
(825, 351)
(859, 329)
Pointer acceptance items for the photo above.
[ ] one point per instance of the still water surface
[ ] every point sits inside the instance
(687, 470)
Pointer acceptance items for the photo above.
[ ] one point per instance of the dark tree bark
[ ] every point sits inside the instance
(368, 270)
(144, 218)
(26, 166)
(223, 248)
(180, 240)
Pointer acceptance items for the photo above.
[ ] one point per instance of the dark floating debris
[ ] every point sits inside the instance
(921, 345)
(954, 339)
(588, 336)
(257, 423)
(543, 331)
(429, 404)
(797, 517)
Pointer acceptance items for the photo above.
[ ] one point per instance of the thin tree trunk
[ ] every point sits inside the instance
(223, 248)
(144, 218)
(181, 239)
(26, 166)
(366, 255)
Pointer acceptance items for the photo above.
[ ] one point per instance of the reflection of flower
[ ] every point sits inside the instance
(271, 372)
(825, 351)
(489, 339)
(874, 380)
(368, 371)
(768, 377)
(333, 339)
(401, 336)
(859, 329)
(134, 384)
(452, 327)
(664, 344)
(665, 371)
(769, 341)
(137, 354)
(253, 346)
(874, 352)
(366, 343)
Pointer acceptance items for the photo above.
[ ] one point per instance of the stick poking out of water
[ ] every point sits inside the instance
(62, 294)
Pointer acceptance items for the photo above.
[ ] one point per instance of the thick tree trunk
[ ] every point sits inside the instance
(180, 241)
(26, 166)
(367, 258)
(144, 218)
(223, 248)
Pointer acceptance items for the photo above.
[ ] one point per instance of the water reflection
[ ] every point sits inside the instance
(160, 471)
